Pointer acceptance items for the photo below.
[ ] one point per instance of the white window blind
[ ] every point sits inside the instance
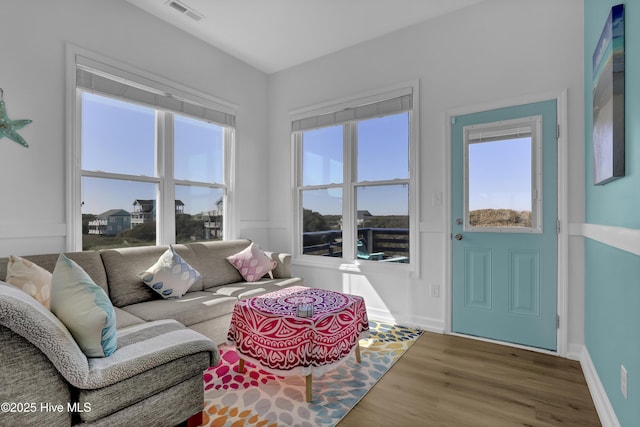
(499, 134)
(103, 79)
(397, 104)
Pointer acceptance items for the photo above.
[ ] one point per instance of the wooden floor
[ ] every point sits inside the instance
(445, 380)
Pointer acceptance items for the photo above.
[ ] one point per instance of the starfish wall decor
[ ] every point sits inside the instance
(8, 127)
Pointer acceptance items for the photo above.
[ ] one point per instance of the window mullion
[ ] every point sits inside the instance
(348, 200)
(74, 176)
(228, 229)
(166, 209)
(402, 181)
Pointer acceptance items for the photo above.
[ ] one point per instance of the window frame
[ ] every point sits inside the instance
(503, 131)
(164, 178)
(349, 258)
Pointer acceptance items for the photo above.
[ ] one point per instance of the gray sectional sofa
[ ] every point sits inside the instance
(155, 376)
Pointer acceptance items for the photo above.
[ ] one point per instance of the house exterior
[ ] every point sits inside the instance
(110, 223)
(213, 227)
(144, 211)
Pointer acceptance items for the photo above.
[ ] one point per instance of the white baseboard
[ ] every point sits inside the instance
(426, 324)
(574, 351)
(380, 315)
(598, 394)
(422, 323)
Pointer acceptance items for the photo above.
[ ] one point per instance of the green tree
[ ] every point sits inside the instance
(143, 232)
(189, 228)
(313, 221)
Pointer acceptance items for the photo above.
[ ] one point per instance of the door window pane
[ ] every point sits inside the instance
(383, 148)
(499, 183)
(382, 223)
(322, 156)
(198, 150)
(322, 222)
(199, 212)
(117, 136)
(111, 203)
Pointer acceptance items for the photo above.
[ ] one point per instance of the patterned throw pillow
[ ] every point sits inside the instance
(31, 278)
(170, 276)
(252, 263)
(84, 308)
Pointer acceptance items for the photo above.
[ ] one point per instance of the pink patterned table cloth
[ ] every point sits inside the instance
(267, 331)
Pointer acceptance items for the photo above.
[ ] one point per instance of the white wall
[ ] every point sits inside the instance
(32, 74)
(492, 51)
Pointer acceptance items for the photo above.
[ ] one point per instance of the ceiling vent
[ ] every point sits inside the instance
(185, 10)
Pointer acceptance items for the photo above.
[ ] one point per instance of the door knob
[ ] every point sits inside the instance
(458, 236)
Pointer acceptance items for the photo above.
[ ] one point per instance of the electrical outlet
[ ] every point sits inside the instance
(623, 381)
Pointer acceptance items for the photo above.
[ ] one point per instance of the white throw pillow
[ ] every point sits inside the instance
(252, 263)
(170, 276)
(31, 278)
(84, 308)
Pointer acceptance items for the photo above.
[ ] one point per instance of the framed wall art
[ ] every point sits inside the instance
(608, 100)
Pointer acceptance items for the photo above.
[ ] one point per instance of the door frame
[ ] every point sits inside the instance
(563, 207)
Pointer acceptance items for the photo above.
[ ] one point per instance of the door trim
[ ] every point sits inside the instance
(563, 179)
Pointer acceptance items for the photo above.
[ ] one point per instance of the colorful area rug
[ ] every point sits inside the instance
(258, 398)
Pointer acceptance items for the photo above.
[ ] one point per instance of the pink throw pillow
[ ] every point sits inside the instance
(252, 263)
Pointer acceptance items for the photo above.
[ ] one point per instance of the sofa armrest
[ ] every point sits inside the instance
(140, 347)
(26, 317)
(146, 346)
(29, 379)
(283, 266)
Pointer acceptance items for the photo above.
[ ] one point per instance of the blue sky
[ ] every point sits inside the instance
(383, 154)
(500, 175)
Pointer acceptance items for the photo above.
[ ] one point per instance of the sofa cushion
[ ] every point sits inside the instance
(211, 261)
(252, 263)
(194, 307)
(125, 319)
(243, 290)
(283, 264)
(123, 265)
(84, 308)
(31, 278)
(171, 276)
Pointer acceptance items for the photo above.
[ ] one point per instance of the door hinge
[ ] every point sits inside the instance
(557, 321)
(558, 131)
(558, 227)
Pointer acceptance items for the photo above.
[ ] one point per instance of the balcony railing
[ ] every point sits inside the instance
(388, 243)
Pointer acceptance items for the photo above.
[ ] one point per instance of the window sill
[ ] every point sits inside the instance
(352, 266)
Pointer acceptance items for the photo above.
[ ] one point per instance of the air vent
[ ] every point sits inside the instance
(185, 10)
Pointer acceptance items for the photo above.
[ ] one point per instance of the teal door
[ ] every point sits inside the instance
(504, 224)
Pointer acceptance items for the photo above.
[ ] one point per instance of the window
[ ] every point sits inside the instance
(503, 177)
(354, 180)
(158, 157)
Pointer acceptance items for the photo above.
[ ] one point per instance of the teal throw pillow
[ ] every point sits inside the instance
(84, 308)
